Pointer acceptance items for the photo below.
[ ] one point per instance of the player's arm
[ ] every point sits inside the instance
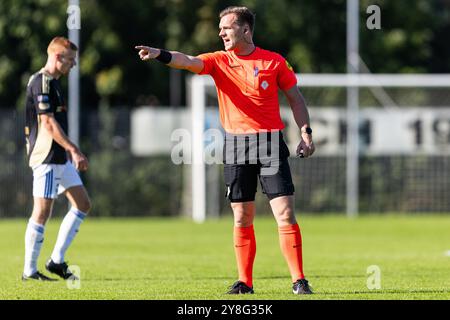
(301, 116)
(173, 59)
(49, 122)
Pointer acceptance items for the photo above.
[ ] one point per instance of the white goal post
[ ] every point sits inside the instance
(196, 88)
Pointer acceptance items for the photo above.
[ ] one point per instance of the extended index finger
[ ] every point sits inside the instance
(141, 47)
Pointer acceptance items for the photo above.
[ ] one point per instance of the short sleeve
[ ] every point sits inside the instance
(41, 94)
(286, 75)
(209, 62)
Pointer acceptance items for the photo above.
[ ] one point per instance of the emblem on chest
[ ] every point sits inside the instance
(264, 84)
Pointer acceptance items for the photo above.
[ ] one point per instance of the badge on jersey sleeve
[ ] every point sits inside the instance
(44, 102)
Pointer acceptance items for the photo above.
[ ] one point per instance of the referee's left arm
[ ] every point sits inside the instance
(301, 116)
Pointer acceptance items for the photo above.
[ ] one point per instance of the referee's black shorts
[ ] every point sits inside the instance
(248, 158)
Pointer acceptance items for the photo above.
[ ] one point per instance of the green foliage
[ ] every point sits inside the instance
(408, 39)
(311, 34)
(109, 81)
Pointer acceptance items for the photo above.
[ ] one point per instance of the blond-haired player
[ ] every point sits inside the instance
(54, 160)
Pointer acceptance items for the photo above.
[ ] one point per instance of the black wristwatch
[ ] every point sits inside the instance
(308, 130)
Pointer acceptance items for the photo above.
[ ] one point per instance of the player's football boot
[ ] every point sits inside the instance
(240, 288)
(37, 276)
(301, 286)
(60, 269)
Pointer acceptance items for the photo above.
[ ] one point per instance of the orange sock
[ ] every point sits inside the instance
(245, 250)
(291, 247)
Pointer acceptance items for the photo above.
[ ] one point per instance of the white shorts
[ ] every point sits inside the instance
(50, 180)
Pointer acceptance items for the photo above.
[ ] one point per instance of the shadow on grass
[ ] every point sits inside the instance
(338, 276)
(313, 276)
(230, 278)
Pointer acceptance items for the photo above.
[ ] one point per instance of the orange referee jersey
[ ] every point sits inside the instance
(247, 88)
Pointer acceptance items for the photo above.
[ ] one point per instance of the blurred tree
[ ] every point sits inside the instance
(407, 41)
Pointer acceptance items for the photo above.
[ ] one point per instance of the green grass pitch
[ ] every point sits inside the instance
(157, 259)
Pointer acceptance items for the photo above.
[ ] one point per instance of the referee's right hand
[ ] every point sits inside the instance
(147, 53)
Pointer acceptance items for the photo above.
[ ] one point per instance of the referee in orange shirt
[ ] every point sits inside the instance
(247, 79)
